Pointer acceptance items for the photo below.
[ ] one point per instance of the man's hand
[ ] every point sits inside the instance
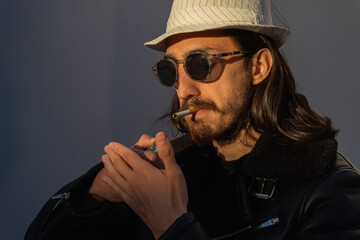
(157, 195)
(142, 145)
(101, 191)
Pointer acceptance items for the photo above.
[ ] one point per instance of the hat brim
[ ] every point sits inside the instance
(277, 34)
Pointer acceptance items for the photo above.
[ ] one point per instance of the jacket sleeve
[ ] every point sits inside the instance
(186, 227)
(61, 217)
(332, 209)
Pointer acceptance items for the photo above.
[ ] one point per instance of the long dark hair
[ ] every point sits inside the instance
(276, 107)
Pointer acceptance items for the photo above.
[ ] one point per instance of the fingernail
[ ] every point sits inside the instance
(111, 145)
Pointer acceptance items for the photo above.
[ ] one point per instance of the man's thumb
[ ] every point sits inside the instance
(165, 150)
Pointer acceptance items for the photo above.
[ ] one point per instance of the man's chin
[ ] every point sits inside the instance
(200, 139)
(201, 135)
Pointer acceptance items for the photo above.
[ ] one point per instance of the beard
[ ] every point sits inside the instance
(228, 122)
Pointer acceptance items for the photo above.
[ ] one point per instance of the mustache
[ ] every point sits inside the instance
(200, 103)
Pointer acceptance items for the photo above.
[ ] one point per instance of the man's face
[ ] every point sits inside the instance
(222, 102)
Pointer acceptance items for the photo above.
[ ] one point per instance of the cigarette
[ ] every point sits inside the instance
(184, 113)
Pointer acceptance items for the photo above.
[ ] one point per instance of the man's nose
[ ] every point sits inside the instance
(186, 88)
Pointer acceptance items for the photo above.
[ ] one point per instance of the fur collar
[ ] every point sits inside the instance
(277, 158)
(285, 158)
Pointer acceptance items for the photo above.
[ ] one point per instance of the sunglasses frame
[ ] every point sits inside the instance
(209, 58)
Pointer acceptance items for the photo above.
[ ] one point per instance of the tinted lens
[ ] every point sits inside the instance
(166, 72)
(197, 66)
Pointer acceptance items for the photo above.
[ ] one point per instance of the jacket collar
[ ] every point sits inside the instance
(274, 157)
(285, 158)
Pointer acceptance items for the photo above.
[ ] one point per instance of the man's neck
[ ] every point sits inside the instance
(241, 146)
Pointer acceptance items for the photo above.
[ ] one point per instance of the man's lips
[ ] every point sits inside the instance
(198, 113)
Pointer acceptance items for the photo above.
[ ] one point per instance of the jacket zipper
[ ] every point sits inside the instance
(268, 223)
(264, 225)
(61, 197)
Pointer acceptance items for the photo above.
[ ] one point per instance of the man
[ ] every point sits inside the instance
(256, 162)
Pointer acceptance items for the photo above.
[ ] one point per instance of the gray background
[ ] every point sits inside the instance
(75, 75)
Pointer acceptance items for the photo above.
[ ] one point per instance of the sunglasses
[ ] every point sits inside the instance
(199, 66)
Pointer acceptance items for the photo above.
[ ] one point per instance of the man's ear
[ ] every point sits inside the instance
(262, 63)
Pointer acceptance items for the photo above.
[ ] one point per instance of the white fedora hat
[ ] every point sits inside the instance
(200, 15)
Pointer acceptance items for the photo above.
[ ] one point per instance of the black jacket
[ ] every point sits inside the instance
(280, 190)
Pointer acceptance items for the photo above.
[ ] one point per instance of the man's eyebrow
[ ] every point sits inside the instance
(200, 49)
(195, 50)
(169, 56)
